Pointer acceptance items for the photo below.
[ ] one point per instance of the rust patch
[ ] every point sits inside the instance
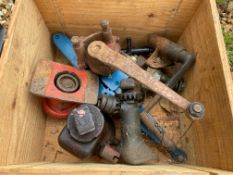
(81, 43)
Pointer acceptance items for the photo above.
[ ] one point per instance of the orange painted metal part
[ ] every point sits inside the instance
(57, 108)
(53, 91)
(45, 77)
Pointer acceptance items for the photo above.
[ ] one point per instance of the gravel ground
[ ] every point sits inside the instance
(6, 7)
(225, 8)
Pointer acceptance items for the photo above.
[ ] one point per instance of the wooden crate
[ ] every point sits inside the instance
(24, 129)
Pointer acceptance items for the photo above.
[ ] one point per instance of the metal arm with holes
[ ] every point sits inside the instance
(100, 51)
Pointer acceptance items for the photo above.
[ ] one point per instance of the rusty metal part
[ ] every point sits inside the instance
(43, 83)
(141, 61)
(85, 123)
(109, 104)
(105, 104)
(81, 150)
(176, 153)
(67, 82)
(107, 31)
(83, 120)
(197, 110)
(175, 53)
(100, 51)
(128, 84)
(155, 62)
(132, 146)
(95, 66)
(108, 38)
(152, 126)
(80, 51)
(81, 44)
(158, 74)
(93, 141)
(110, 154)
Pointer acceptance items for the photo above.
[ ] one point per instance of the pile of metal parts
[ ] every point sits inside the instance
(104, 81)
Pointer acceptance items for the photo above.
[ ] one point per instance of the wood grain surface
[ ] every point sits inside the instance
(22, 120)
(209, 142)
(127, 17)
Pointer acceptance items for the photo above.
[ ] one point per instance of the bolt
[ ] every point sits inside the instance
(76, 41)
(197, 108)
(104, 25)
(180, 158)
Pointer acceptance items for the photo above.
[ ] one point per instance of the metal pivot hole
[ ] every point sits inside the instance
(67, 82)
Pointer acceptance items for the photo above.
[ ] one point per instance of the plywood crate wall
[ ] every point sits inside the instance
(195, 24)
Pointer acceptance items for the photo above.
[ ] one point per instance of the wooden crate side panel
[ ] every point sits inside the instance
(209, 142)
(127, 18)
(22, 122)
(211, 170)
(98, 169)
(181, 17)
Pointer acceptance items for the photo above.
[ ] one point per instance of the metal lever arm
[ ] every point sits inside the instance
(100, 51)
(174, 52)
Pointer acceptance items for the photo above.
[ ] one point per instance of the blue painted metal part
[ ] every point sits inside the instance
(110, 85)
(149, 134)
(176, 153)
(2, 36)
(113, 81)
(105, 90)
(64, 44)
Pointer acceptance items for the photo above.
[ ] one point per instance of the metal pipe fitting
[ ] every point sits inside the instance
(176, 53)
(133, 149)
(135, 51)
